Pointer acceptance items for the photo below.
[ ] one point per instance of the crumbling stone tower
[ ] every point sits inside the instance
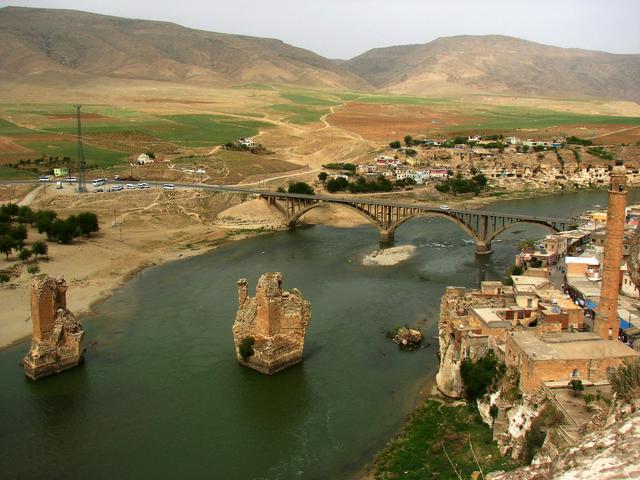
(606, 322)
(57, 340)
(269, 328)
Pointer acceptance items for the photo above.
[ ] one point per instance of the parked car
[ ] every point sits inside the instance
(143, 185)
(131, 186)
(444, 207)
(168, 186)
(117, 188)
(98, 190)
(71, 179)
(44, 179)
(116, 177)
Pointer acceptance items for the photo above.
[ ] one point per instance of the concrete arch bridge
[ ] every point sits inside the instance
(482, 226)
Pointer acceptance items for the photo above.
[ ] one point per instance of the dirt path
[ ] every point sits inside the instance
(31, 196)
(611, 133)
(279, 177)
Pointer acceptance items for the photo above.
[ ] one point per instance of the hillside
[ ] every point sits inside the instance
(42, 41)
(498, 64)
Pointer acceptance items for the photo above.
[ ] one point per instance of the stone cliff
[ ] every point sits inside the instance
(57, 341)
(612, 453)
(269, 328)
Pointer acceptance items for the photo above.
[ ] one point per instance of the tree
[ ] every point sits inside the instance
(576, 386)
(322, 176)
(480, 179)
(39, 248)
(408, 140)
(480, 376)
(7, 244)
(151, 155)
(395, 144)
(19, 234)
(63, 231)
(337, 184)
(25, 254)
(11, 209)
(26, 215)
(87, 223)
(44, 219)
(280, 189)
(301, 187)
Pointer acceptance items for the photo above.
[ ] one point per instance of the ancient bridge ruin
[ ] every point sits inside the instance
(483, 227)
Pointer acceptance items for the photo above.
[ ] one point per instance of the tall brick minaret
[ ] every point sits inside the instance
(607, 323)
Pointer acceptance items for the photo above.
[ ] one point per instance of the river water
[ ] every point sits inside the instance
(161, 395)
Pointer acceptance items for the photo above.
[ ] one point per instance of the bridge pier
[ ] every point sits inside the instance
(386, 237)
(482, 247)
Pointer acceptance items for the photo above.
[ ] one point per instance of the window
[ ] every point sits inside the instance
(529, 302)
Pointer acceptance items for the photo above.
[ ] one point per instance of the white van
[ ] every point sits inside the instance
(59, 185)
(98, 182)
(168, 186)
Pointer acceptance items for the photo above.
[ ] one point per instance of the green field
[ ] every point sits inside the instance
(508, 118)
(8, 173)
(418, 452)
(54, 129)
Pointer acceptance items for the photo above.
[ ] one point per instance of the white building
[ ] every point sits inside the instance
(246, 142)
(144, 159)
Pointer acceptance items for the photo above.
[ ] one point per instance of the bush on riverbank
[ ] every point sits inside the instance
(481, 376)
(418, 452)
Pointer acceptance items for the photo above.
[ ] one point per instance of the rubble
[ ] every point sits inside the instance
(57, 341)
(407, 338)
(270, 328)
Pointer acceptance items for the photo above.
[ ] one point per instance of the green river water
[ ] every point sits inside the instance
(161, 395)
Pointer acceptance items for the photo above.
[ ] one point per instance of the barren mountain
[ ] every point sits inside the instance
(42, 41)
(498, 64)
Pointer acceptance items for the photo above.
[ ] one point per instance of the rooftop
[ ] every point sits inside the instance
(571, 346)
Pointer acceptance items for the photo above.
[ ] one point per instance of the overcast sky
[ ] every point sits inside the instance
(345, 28)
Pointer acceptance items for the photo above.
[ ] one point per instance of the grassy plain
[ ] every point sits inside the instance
(433, 432)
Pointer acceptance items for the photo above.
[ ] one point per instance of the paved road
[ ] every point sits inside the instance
(326, 198)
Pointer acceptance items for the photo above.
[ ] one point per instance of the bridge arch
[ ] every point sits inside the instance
(293, 219)
(532, 222)
(466, 228)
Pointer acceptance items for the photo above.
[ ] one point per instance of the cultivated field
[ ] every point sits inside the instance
(303, 128)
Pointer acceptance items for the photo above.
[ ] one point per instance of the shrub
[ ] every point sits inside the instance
(577, 386)
(337, 184)
(395, 144)
(4, 278)
(493, 411)
(33, 269)
(301, 187)
(246, 347)
(478, 377)
(578, 141)
(549, 417)
(25, 254)
(340, 166)
(625, 380)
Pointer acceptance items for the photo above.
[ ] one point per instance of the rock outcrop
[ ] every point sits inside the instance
(269, 328)
(57, 341)
(612, 453)
(407, 338)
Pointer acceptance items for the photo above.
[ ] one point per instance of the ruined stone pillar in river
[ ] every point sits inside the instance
(57, 340)
(270, 328)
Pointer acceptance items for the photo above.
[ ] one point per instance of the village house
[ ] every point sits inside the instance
(246, 142)
(144, 159)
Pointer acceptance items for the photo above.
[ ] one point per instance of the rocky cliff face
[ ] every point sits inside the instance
(269, 328)
(57, 341)
(612, 453)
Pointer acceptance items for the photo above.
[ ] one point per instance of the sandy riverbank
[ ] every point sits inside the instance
(389, 256)
(150, 229)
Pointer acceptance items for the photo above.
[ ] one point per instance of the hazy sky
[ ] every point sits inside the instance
(345, 28)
